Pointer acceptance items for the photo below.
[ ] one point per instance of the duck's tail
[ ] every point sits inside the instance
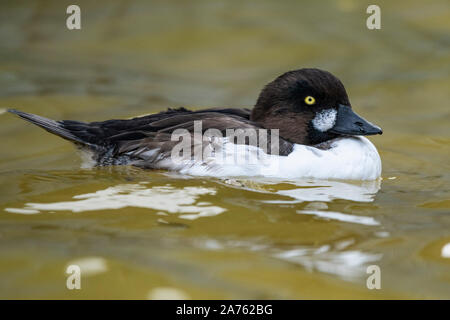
(52, 126)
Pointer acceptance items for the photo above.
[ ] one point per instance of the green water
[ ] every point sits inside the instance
(143, 234)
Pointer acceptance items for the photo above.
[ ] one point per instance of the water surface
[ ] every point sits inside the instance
(152, 234)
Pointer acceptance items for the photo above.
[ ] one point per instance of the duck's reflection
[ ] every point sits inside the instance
(338, 258)
(318, 192)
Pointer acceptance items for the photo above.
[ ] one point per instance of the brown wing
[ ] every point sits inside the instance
(158, 145)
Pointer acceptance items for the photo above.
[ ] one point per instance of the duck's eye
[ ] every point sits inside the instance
(310, 100)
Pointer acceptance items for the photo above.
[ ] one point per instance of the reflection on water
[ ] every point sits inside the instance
(164, 198)
(368, 221)
(446, 251)
(346, 264)
(174, 200)
(167, 293)
(350, 265)
(90, 266)
(325, 191)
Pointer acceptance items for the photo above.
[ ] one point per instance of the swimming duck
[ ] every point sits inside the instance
(303, 123)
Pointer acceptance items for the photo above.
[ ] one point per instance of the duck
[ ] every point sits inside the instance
(302, 126)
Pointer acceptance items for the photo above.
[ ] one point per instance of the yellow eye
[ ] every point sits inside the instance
(310, 100)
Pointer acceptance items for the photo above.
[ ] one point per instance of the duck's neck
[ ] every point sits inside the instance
(292, 126)
(289, 128)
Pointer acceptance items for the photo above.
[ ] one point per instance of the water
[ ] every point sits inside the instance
(148, 234)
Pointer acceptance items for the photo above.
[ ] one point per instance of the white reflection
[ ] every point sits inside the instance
(369, 221)
(446, 251)
(163, 198)
(318, 193)
(167, 293)
(305, 190)
(317, 190)
(346, 264)
(21, 211)
(90, 266)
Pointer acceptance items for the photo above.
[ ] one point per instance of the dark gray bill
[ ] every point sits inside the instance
(348, 122)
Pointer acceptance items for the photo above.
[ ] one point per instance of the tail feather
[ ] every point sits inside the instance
(51, 126)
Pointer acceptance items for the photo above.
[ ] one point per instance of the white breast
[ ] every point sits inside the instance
(353, 158)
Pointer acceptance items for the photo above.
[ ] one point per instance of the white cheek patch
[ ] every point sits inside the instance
(325, 120)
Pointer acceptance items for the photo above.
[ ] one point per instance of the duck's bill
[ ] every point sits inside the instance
(349, 123)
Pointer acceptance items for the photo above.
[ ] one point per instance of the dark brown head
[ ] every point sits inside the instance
(309, 106)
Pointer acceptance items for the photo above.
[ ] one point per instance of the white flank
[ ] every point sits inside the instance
(352, 158)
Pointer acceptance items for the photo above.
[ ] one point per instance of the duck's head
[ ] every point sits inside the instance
(309, 106)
